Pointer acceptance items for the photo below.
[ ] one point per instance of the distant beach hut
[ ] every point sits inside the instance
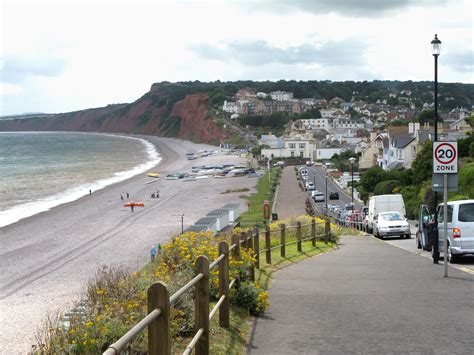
(234, 211)
(209, 222)
(222, 217)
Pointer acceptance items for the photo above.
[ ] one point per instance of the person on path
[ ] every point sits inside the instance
(121, 197)
(128, 195)
(131, 207)
(153, 253)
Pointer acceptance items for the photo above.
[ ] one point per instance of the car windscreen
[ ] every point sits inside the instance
(391, 217)
(466, 212)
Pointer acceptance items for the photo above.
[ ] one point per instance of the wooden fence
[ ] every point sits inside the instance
(159, 301)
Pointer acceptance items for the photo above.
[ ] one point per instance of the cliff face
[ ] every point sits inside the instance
(153, 114)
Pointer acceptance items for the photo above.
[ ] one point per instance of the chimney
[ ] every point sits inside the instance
(410, 128)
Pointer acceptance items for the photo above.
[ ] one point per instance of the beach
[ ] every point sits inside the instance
(47, 259)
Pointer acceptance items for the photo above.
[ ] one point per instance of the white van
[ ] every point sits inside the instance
(384, 203)
(460, 228)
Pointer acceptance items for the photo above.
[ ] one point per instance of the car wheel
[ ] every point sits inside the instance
(452, 258)
(408, 236)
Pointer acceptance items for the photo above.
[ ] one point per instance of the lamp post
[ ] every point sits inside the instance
(326, 171)
(436, 50)
(182, 222)
(352, 161)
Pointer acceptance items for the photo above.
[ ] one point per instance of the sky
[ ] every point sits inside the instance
(62, 56)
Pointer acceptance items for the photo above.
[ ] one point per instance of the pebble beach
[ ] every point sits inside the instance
(47, 259)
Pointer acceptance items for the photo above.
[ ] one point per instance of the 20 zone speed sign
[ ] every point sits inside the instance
(445, 157)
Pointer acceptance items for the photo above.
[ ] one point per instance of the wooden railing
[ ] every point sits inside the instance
(159, 302)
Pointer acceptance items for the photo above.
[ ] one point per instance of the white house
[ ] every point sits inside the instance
(327, 153)
(294, 145)
(318, 123)
(229, 107)
(281, 95)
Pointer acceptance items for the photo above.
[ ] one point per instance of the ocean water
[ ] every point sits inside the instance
(41, 170)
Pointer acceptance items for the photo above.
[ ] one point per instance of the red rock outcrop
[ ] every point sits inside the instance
(187, 119)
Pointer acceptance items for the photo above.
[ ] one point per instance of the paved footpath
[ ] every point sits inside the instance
(290, 199)
(367, 297)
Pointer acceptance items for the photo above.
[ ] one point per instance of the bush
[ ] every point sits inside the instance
(251, 297)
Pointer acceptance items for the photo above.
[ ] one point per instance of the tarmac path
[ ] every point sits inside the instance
(367, 297)
(290, 199)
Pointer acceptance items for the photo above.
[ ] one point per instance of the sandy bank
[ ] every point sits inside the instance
(46, 259)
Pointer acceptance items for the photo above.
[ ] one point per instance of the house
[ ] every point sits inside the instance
(327, 153)
(281, 95)
(372, 154)
(461, 125)
(294, 145)
(402, 147)
(230, 106)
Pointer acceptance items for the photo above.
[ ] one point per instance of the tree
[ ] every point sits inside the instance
(466, 180)
(371, 178)
(427, 116)
(422, 166)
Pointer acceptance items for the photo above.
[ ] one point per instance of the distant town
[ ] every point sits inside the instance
(382, 134)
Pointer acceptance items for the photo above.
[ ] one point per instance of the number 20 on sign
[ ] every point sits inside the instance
(445, 157)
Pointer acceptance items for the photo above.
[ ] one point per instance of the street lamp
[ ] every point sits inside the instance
(436, 51)
(326, 171)
(352, 161)
(182, 222)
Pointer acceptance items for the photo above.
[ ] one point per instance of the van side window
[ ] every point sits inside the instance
(466, 212)
(441, 214)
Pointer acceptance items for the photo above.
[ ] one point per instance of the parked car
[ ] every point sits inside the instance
(334, 195)
(318, 197)
(384, 203)
(460, 229)
(389, 224)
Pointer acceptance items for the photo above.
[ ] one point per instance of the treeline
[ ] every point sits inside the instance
(450, 94)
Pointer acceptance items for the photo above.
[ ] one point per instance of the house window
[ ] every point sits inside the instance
(292, 154)
(292, 145)
(302, 145)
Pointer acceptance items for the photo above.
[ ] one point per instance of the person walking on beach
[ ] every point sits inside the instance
(128, 195)
(153, 253)
(121, 197)
(131, 207)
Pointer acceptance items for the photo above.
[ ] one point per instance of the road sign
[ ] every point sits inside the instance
(445, 157)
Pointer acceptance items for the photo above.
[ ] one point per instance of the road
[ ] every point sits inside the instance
(465, 263)
(317, 175)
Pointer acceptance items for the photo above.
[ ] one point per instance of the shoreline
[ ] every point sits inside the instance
(49, 257)
(59, 198)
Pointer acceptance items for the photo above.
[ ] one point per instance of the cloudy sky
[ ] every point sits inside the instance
(62, 55)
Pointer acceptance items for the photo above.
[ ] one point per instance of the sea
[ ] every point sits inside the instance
(41, 170)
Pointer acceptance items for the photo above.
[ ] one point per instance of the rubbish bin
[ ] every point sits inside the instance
(274, 216)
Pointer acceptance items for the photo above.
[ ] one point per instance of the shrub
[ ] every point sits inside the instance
(251, 297)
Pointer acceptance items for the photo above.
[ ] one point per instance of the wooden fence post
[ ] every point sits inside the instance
(250, 250)
(313, 232)
(256, 248)
(243, 240)
(298, 236)
(327, 231)
(201, 305)
(235, 240)
(158, 331)
(224, 285)
(268, 251)
(283, 240)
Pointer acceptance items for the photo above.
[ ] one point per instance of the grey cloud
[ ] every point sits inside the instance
(254, 53)
(360, 8)
(461, 62)
(15, 69)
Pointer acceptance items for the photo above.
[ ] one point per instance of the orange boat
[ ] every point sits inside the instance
(135, 204)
